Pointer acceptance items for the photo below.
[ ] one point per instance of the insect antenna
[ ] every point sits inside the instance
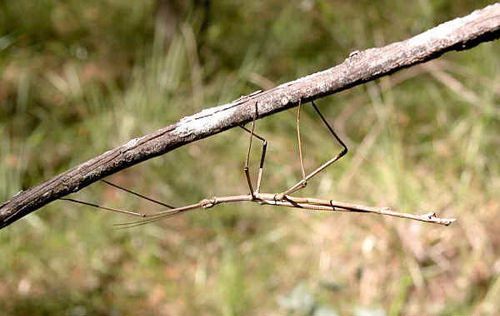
(151, 217)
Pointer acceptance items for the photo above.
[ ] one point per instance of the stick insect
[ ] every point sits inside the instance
(283, 198)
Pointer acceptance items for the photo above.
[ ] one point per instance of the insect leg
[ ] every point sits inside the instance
(302, 183)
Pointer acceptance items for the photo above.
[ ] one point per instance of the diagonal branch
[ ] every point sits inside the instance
(360, 67)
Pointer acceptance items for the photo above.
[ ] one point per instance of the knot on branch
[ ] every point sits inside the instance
(208, 203)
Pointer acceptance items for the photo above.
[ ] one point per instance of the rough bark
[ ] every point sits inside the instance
(360, 67)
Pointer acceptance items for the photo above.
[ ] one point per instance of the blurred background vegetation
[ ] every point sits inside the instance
(80, 77)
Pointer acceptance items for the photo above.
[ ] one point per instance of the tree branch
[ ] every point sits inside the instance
(360, 67)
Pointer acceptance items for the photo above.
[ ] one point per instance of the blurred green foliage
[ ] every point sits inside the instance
(80, 77)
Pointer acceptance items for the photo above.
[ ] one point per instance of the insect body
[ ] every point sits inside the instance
(283, 198)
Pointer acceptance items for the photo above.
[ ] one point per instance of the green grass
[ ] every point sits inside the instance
(78, 78)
